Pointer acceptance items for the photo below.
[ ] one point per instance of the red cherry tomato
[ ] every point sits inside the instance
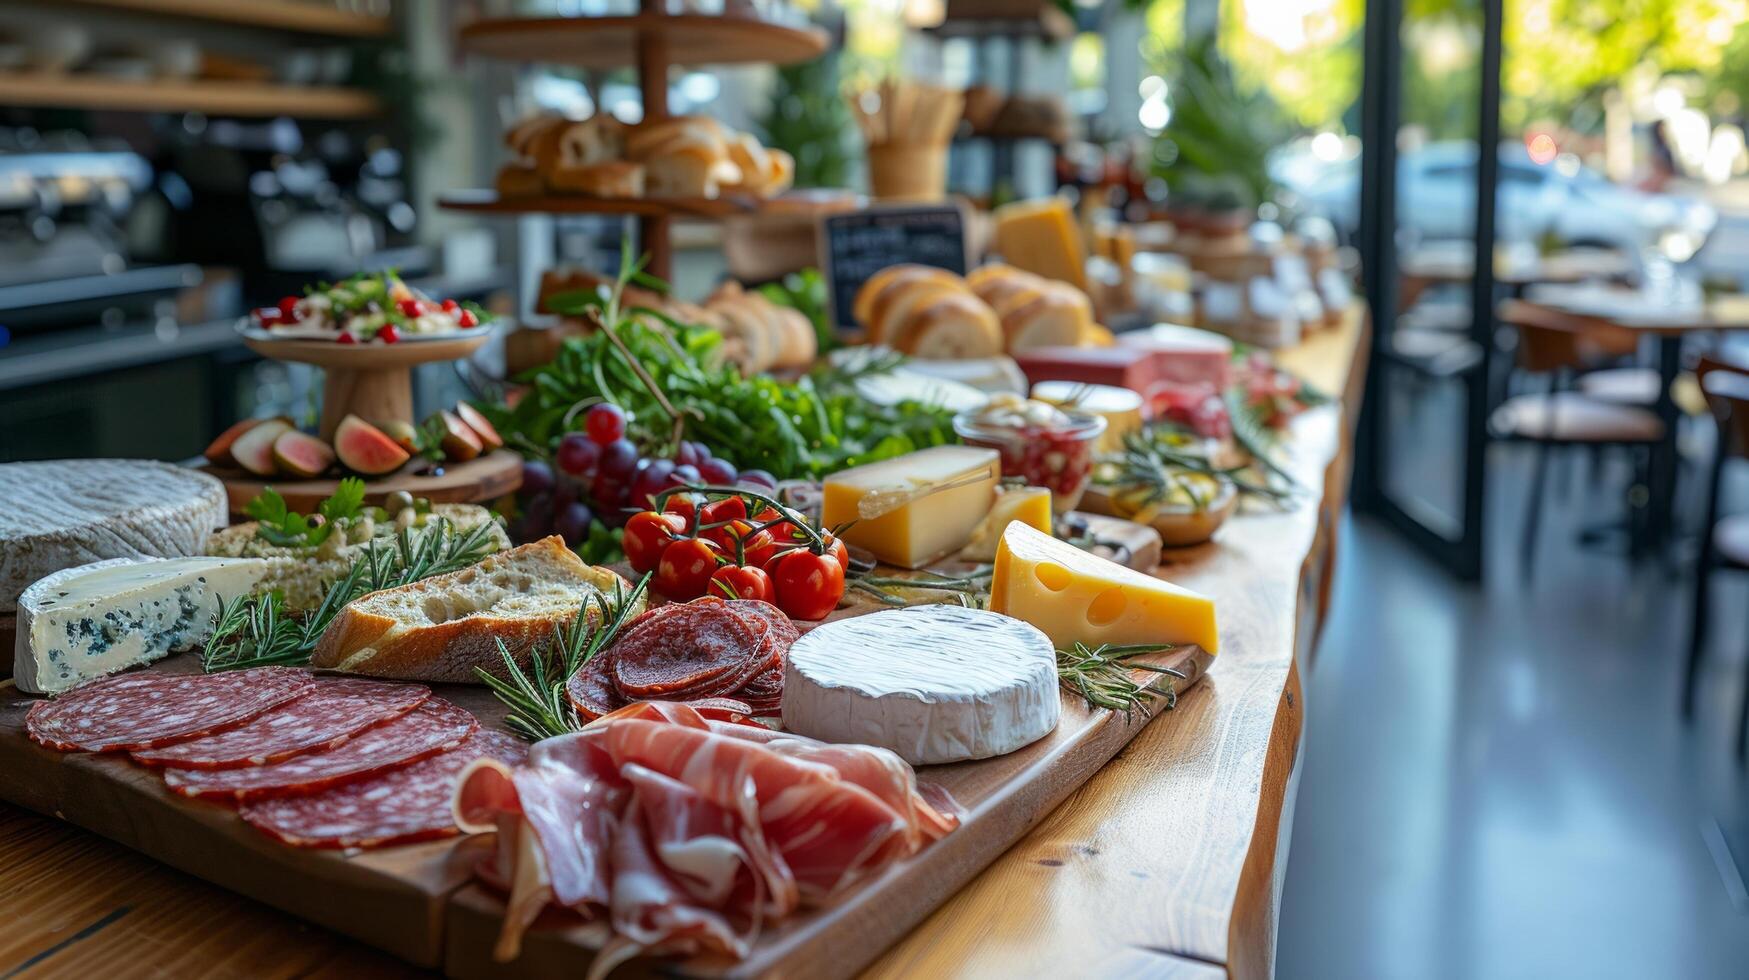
(288, 308)
(726, 536)
(686, 568)
(837, 550)
(647, 535)
(388, 334)
(808, 586)
(759, 548)
(686, 505)
(740, 582)
(450, 306)
(345, 338)
(409, 307)
(726, 509)
(467, 318)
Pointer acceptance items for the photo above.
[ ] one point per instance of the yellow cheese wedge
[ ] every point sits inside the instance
(1120, 407)
(1041, 237)
(1028, 505)
(944, 494)
(1075, 596)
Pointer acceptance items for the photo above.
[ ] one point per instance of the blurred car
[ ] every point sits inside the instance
(1436, 195)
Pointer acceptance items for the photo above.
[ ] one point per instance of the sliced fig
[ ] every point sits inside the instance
(253, 450)
(364, 448)
(460, 443)
(218, 452)
(302, 455)
(471, 417)
(405, 434)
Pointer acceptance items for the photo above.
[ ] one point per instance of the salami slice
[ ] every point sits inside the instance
(591, 688)
(784, 629)
(147, 710)
(398, 807)
(683, 651)
(435, 726)
(335, 709)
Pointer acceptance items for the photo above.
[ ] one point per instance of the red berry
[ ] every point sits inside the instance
(288, 308)
(388, 334)
(605, 422)
(467, 318)
(577, 455)
(345, 338)
(410, 308)
(449, 305)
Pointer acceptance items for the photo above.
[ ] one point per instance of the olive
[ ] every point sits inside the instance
(398, 501)
(423, 504)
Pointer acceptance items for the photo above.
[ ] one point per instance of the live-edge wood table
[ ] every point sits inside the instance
(1169, 862)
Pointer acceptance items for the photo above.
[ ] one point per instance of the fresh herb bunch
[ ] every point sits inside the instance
(255, 631)
(278, 524)
(803, 429)
(1154, 462)
(536, 697)
(1102, 676)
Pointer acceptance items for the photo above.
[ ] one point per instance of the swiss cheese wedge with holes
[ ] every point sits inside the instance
(1074, 596)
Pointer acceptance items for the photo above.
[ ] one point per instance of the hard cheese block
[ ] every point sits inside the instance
(933, 683)
(942, 494)
(1029, 505)
(63, 513)
(1041, 237)
(83, 623)
(1077, 597)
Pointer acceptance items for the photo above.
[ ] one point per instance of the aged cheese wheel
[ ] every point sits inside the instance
(934, 684)
(63, 513)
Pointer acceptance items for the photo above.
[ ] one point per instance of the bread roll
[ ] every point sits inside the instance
(782, 173)
(797, 344)
(1056, 316)
(598, 139)
(952, 326)
(650, 138)
(536, 141)
(519, 180)
(688, 169)
(752, 161)
(441, 628)
(612, 178)
(749, 320)
(903, 292)
(862, 307)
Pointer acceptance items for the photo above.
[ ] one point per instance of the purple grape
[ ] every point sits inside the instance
(619, 458)
(718, 471)
(702, 451)
(650, 481)
(683, 474)
(687, 454)
(608, 492)
(605, 422)
(573, 522)
(577, 455)
(758, 478)
(537, 517)
(537, 477)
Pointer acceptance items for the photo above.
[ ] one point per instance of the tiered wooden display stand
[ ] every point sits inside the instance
(375, 382)
(655, 42)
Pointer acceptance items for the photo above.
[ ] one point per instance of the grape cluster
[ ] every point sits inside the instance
(599, 474)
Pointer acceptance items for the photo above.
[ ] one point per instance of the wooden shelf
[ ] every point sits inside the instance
(614, 42)
(710, 208)
(212, 97)
(288, 15)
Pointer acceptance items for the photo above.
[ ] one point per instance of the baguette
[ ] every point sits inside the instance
(951, 326)
(442, 628)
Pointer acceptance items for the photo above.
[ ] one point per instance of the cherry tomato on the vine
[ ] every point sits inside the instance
(741, 582)
(686, 568)
(686, 505)
(837, 550)
(727, 535)
(726, 509)
(647, 535)
(807, 585)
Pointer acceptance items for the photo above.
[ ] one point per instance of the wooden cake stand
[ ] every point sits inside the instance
(476, 481)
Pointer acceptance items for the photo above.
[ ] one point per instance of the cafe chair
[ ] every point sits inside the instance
(1724, 540)
(1554, 351)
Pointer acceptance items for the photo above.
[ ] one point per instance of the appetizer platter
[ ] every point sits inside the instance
(742, 673)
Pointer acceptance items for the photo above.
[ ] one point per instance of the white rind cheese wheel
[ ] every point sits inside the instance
(932, 683)
(71, 512)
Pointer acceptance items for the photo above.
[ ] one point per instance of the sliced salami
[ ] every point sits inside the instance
(591, 688)
(435, 726)
(685, 650)
(783, 628)
(147, 710)
(398, 807)
(335, 709)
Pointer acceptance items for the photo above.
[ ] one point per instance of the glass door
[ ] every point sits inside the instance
(1430, 157)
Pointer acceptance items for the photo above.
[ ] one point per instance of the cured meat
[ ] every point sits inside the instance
(333, 711)
(435, 726)
(398, 807)
(591, 690)
(147, 710)
(684, 649)
(690, 830)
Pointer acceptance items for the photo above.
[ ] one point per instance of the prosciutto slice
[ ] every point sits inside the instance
(686, 828)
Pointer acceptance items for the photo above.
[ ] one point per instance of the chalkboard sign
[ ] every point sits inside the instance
(858, 244)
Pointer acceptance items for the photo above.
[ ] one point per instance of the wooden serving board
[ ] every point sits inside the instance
(478, 480)
(418, 902)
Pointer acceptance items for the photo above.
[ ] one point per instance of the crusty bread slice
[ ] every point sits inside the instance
(440, 629)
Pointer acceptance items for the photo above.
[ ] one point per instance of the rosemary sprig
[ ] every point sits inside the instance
(255, 631)
(539, 707)
(1101, 675)
(1254, 437)
(1149, 462)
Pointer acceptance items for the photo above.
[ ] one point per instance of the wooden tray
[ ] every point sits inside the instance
(479, 480)
(613, 42)
(418, 902)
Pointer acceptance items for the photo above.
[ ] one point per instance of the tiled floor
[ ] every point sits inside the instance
(1495, 780)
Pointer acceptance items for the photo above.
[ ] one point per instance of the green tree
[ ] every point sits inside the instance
(809, 119)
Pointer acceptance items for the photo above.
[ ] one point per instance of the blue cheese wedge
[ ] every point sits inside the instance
(932, 683)
(86, 622)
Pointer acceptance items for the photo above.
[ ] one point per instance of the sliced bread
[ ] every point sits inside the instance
(442, 628)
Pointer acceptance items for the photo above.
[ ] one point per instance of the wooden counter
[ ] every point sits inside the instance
(1168, 862)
